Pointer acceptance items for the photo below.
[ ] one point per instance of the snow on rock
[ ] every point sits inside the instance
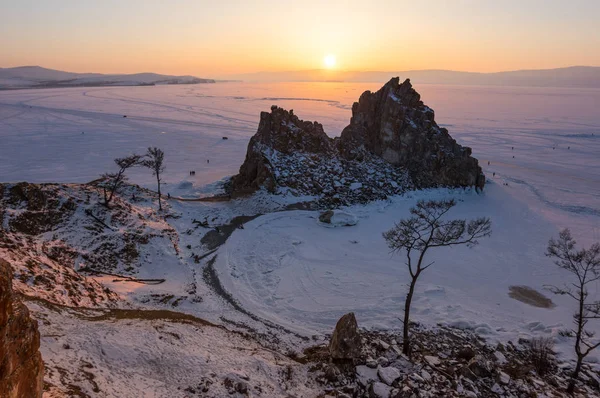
(365, 374)
(432, 360)
(370, 160)
(447, 377)
(338, 218)
(500, 358)
(47, 234)
(504, 378)
(393, 123)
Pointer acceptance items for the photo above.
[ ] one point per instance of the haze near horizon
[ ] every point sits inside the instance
(217, 40)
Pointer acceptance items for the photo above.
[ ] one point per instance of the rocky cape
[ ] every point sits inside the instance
(392, 144)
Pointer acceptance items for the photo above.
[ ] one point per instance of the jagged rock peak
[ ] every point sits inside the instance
(283, 131)
(393, 123)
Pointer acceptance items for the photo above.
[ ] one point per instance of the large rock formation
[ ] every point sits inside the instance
(21, 366)
(395, 124)
(392, 135)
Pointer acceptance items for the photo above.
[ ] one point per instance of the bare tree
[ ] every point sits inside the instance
(113, 181)
(154, 161)
(425, 230)
(584, 264)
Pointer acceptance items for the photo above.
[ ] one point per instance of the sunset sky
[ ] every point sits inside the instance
(216, 38)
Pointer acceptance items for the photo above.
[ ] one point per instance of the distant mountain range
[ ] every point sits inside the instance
(38, 77)
(575, 76)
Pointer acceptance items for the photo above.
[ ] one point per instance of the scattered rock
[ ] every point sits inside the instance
(379, 390)
(500, 358)
(478, 367)
(383, 361)
(388, 374)
(433, 361)
(332, 373)
(503, 378)
(383, 344)
(365, 375)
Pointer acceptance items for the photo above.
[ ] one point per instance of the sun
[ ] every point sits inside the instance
(329, 61)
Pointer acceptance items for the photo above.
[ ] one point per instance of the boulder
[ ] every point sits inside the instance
(325, 217)
(478, 367)
(337, 218)
(379, 390)
(21, 366)
(388, 374)
(345, 342)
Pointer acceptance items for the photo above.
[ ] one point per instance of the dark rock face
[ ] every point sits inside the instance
(21, 366)
(393, 123)
(283, 132)
(392, 144)
(345, 342)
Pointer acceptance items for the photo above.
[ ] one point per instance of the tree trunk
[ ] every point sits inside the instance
(158, 181)
(575, 375)
(578, 338)
(405, 338)
(105, 198)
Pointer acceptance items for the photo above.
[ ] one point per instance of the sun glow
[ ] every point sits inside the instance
(329, 61)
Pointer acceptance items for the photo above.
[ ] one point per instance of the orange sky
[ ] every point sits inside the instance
(213, 39)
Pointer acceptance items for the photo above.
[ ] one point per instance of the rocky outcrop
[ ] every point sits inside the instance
(395, 124)
(345, 343)
(279, 132)
(21, 366)
(392, 135)
(291, 155)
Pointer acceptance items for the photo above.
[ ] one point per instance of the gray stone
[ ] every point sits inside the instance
(379, 390)
(388, 374)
